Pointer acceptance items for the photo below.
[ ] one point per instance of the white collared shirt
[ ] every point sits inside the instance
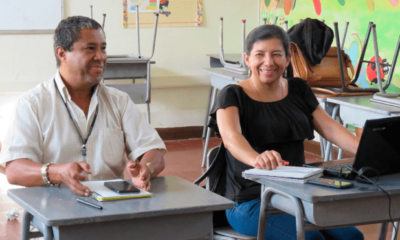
(42, 130)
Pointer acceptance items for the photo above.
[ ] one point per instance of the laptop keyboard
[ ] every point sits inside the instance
(334, 171)
(338, 167)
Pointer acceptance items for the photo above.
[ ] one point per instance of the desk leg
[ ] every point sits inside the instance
(148, 95)
(383, 231)
(203, 163)
(340, 153)
(394, 235)
(43, 230)
(26, 223)
(322, 145)
(328, 150)
(207, 112)
(148, 112)
(297, 207)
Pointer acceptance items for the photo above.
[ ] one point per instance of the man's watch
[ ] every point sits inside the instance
(150, 166)
(44, 171)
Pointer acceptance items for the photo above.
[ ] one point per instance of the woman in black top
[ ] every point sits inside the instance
(263, 121)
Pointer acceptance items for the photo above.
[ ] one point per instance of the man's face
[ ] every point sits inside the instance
(86, 61)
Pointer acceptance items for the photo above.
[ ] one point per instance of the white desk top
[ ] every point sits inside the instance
(364, 103)
(229, 57)
(220, 72)
(317, 194)
(126, 59)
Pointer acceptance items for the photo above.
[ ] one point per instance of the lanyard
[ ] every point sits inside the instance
(84, 141)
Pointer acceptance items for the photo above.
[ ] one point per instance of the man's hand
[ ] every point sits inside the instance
(140, 175)
(70, 174)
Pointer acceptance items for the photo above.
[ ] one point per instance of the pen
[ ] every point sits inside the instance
(89, 203)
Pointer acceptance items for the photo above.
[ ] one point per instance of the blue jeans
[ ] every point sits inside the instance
(244, 219)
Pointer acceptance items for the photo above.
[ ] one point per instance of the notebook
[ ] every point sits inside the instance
(102, 193)
(284, 173)
(379, 148)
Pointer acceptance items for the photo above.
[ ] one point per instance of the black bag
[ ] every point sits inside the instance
(216, 173)
(313, 37)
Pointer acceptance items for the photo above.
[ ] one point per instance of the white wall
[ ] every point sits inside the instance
(179, 87)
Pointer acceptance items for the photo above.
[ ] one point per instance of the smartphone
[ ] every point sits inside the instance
(331, 183)
(121, 187)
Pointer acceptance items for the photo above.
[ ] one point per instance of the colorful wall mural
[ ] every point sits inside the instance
(384, 13)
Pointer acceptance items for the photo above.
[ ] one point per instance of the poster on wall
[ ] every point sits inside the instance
(143, 5)
(358, 13)
(173, 13)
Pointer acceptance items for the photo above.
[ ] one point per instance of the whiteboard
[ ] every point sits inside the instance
(30, 16)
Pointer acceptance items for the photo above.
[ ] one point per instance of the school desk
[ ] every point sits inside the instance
(130, 67)
(178, 210)
(215, 62)
(327, 207)
(355, 110)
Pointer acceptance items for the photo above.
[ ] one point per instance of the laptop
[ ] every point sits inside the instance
(379, 149)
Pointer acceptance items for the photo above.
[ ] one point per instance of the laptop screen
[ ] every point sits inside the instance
(380, 146)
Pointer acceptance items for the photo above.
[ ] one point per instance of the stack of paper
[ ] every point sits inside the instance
(285, 173)
(102, 193)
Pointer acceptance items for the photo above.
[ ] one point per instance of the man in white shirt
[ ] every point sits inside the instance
(73, 128)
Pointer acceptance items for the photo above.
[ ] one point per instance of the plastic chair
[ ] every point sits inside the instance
(215, 176)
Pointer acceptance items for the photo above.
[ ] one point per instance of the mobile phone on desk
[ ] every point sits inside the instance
(121, 187)
(334, 183)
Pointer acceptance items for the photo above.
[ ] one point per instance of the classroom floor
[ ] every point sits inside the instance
(183, 160)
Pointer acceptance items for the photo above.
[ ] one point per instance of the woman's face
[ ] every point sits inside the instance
(267, 60)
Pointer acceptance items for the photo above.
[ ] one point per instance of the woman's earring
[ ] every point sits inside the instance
(249, 71)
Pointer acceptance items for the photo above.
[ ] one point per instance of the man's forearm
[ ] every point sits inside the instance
(24, 172)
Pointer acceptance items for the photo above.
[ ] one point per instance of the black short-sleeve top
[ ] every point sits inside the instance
(281, 126)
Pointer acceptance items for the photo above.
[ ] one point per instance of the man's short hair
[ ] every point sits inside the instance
(68, 32)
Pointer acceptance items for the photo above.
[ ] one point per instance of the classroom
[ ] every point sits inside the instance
(178, 90)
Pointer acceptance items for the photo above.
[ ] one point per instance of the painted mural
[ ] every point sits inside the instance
(383, 13)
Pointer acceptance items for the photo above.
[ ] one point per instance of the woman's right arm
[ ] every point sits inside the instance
(231, 133)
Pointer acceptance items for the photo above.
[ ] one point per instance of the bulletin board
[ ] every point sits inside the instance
(27, 16)
(358, 13)
(173, 13)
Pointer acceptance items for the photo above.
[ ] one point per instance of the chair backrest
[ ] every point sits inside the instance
(216, 179)
(212, 175)
(216, 171)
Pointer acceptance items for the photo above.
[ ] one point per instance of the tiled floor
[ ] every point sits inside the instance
(183, 160)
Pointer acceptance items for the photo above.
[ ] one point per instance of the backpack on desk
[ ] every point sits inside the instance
(325, 74)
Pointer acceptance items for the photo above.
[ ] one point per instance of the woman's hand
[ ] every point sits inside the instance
(268, 160)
